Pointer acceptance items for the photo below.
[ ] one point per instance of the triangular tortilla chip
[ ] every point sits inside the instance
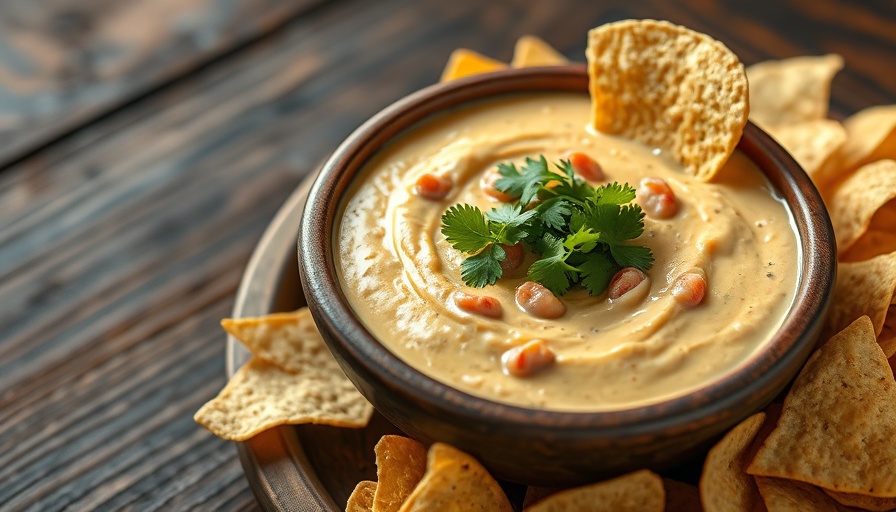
(463, 62)
(789, 496)
(724, 484)
(532, 51)
(288, 340)
(863, 502)
(870, 136)
(669, 88)
(865, 203)
(261, 396)
(400, 464)
(361, 499)
(791, 90)
(838, 426)
(681, 497)
(866, 288)
(813, 144)
(642, 490)
(455, 482)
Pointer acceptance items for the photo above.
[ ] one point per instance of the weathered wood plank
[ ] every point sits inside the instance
(122, 244)
(63, 63)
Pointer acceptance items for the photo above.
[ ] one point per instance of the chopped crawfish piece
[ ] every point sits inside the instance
(586, 167)
(689, 289)
(431, 186)
(624, 281)
(482, 305)
(538, 301)
(525, 360)
(513, 256)
(657, 198)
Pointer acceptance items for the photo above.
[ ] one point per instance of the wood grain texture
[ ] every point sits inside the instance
(64, 62)
(122, 243)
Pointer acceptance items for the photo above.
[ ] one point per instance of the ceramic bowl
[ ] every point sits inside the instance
(540, 446)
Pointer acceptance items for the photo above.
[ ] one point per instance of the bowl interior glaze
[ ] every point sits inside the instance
(654, 435)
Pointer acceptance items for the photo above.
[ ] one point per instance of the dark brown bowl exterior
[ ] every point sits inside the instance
(549, 447)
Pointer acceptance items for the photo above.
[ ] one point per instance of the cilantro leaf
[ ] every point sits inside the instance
(484, 267)
(553, 212)
(551, 269)
(527, 182)
(614, 193)
(465, 228)
(570, 185)
(583, 240)
(597, 272)
(632, 256)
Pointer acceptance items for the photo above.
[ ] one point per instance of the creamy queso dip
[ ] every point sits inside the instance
(399, 273)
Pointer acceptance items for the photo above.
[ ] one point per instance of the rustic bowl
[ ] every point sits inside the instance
(550, 447)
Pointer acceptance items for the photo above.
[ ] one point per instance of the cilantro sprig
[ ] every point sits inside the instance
(580, 232)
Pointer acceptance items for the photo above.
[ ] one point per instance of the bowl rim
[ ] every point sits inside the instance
(788, 348)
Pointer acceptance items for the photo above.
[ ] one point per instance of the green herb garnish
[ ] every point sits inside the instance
(579, 231)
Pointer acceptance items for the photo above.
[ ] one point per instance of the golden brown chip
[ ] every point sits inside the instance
(455, 482)
(262, 395)
(532, 51)
(670, 88)
(681, 497)
(838, 425)
(463, 62)
(361, 499)
(289, 340)
(641, 490)
(724, 485)
(863, 502)
(865, 204)
(400, 464)
(871, 136)
(789, 496)
(813, 144)
(866, 288)
(792, 90)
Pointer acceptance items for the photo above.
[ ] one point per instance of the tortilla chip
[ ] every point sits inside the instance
(463, 62)
(532, 51)
(789, 496)
(670, 88)
(862, 501)
(792, 90)
(262, 395)
(681, 497)
(641, 490)
(838, 425)
(288, 340)
(455, 482)
(863, 205)
(724, 485)
(866, 288)
(400, 464)
(870, 136)
(813, 144)
(361, 499)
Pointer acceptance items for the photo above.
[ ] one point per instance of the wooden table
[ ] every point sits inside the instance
(145, 145)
